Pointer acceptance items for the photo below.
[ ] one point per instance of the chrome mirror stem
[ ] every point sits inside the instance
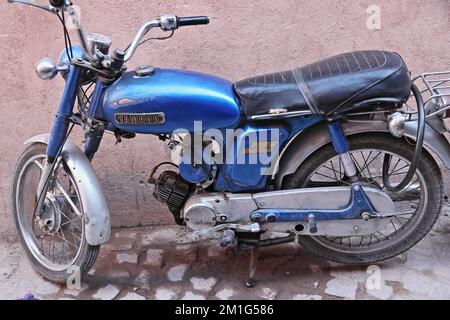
(81, 35)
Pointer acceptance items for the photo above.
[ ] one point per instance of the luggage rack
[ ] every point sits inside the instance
(435, 89)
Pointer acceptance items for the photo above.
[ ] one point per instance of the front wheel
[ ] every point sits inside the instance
(417, 207)
(55, 240)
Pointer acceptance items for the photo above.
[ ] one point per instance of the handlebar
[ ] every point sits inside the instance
(57, 3)
(144, 29)
(192, 21)
(166, 23)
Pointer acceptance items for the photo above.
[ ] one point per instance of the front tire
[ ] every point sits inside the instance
(57, 249)
(427, 198)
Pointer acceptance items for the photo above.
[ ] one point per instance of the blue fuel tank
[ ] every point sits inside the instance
(168, 99)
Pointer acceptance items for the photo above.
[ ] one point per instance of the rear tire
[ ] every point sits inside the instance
(433, 184)
(86, 254)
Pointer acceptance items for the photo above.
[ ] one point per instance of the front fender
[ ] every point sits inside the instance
(97, 221)
(307, 142)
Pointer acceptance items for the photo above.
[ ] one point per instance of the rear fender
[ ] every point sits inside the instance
(307, 142)
(97, 221)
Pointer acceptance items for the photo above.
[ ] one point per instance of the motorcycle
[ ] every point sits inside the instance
(339, 155)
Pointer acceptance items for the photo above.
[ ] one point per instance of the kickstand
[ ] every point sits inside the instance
(251, 280)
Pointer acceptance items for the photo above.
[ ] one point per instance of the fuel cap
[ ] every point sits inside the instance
(144, 71)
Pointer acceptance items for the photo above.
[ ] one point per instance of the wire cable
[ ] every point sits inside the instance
(417, 153)
(158, 38)
(155, 38)
(67, 40)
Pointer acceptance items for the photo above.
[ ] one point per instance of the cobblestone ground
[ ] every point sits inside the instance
(146, 263)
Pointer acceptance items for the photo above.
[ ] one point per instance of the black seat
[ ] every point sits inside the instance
(339, 84)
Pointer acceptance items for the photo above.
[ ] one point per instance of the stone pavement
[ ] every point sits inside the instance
(146, 263)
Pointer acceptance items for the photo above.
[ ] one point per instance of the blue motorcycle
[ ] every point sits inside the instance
(340, 155)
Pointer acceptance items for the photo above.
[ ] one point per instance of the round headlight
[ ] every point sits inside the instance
(46, 69)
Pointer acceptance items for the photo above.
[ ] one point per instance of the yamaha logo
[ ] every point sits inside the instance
(141, 119)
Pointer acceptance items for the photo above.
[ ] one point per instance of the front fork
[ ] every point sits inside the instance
(58, 135)
(60, 130)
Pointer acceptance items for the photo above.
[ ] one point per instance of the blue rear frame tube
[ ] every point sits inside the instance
(338, 137)
(65, 109)
(342, 147)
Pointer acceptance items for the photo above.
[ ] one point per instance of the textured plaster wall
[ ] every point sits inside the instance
(244, 38)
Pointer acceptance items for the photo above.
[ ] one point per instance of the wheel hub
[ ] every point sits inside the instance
(50, 219)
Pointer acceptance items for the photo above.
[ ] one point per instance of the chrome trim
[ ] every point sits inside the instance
(282, 115)
(141, 119)
(169, 22)
(97, 220)
(99, 42)
(349, 165)
(46, 69)
(278, 111)
(396, 124)
(137, 39)
(441, 111)
(434, 141)
(333, 228)
(237, 208)
(437, 88)
(204, 234)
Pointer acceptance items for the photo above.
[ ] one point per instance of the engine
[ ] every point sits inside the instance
(171, 189)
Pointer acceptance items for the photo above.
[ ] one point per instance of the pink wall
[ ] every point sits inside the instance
(244, 38)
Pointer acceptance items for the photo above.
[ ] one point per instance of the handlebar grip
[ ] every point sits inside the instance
(57, 3)
(192, 21)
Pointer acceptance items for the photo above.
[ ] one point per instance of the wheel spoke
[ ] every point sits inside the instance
(40, 166)
(373, 160)
(66, 241)
(68, 199)
(396, 171)
(395, 167)
(325, 176)
(357, 165)
(365, 163)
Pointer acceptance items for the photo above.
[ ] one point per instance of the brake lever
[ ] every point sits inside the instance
(36, 5)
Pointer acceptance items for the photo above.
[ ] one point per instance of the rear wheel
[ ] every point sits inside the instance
(417, 207)
(55, 242)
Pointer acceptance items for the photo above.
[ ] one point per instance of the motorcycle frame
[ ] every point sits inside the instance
(359, 203)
